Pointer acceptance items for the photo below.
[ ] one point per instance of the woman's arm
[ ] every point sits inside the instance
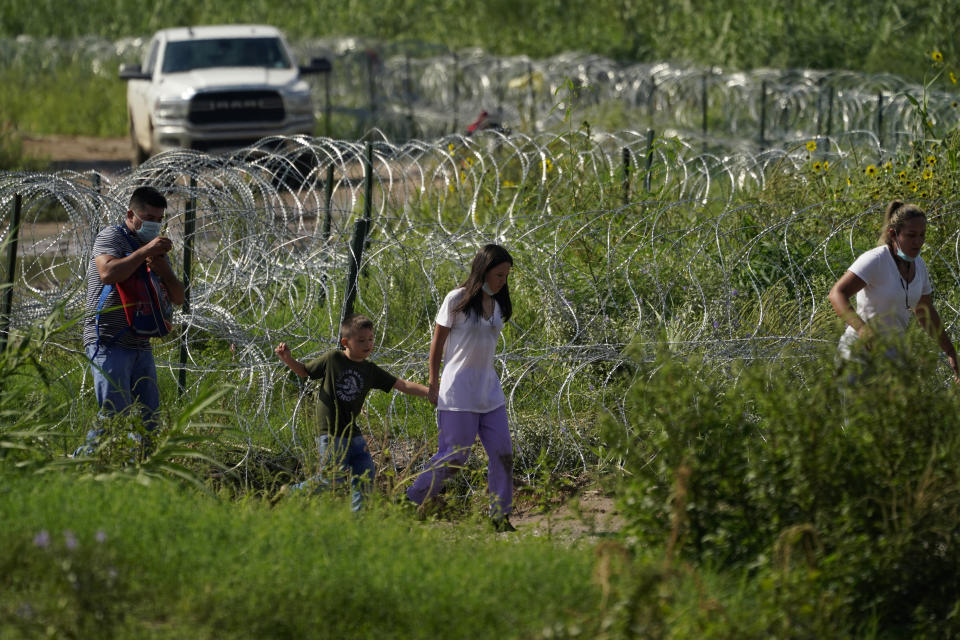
(929, 319)
(845, 288)
(439, 340)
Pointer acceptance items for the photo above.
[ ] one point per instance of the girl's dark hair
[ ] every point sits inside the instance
(895, 217)
(471, 303)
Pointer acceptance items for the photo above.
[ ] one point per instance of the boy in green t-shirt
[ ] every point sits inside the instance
(346, 377)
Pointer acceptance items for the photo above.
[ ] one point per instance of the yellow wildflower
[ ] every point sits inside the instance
(826, 166)
(937, 56)
(927, 173)
(812, 145)
(953, 77)
(902, 175)
(816, 167)
(871, 170)
(450, 147)
(887, 166)
(914, 186)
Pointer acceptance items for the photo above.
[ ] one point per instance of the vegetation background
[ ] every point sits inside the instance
(761, 500)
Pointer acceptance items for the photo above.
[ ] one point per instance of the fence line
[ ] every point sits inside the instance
(418, 90)
(270, 238)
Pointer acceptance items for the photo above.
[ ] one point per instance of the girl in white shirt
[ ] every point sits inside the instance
(891, 284)
(470, 401)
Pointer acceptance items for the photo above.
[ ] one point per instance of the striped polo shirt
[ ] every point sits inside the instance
(110, 241)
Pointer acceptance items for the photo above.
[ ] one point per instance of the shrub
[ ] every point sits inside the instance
(788, 465)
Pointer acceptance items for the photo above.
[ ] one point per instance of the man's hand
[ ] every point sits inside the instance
(283, 351)
(159, 246)
(159, 265)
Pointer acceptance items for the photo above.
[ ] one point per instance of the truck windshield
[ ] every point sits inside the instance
(225, 52)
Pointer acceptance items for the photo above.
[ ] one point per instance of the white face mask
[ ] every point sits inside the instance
(148, 229)
(487, 290)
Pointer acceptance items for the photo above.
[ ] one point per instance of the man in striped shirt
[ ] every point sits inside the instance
(122, 364)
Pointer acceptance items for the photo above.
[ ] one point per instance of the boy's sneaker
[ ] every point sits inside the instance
(502, 525)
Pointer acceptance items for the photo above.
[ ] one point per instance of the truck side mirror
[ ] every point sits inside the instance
(317, 65)
(132, 72)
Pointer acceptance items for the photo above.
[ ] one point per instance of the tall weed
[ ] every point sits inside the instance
(789, 466)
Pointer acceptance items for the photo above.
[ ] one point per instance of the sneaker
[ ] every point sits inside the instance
(502, 525)
(281, 493)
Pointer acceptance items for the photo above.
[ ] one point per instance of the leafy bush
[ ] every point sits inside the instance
(848, 478)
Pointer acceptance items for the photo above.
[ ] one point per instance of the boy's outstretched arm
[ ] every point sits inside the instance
(412, 388)
(283, 351)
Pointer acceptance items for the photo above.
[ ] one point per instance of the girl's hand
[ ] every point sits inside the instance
(954, 367)
(433, 393)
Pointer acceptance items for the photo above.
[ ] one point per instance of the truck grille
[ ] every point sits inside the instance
(236, 106)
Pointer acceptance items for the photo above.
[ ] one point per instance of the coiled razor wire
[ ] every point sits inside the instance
(419, 90)
(597, 290)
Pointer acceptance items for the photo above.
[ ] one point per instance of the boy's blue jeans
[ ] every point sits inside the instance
(346, 453)
(121, 378)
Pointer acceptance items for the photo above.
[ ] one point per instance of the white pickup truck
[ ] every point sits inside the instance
(215, 88)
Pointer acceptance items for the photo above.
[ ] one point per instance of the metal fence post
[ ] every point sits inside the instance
(456, 93)
(360, 230)
(763, 113)
(646, 178)
(880, 121)
(189, 228)
(328, 202)
(626, 175)
(6, 302)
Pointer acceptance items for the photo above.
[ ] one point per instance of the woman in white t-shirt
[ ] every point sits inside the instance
(891, 284)
(468, 395)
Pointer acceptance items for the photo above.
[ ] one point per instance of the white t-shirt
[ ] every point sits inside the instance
(883, 302)
(468, 381)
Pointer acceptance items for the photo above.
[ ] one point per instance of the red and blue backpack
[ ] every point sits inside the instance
(144, 300)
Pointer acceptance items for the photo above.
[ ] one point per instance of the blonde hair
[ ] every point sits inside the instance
(897, 215)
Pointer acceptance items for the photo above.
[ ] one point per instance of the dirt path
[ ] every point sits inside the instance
(589, 515)
(80, 153)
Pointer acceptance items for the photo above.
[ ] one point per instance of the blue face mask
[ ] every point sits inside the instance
(487, 290)
(902, 255)
(148, 230)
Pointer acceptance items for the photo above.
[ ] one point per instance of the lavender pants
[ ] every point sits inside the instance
(458, 432)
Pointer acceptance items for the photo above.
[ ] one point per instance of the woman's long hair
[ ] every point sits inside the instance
(471, 303)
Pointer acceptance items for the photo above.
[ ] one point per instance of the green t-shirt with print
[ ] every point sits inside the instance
(344, 385)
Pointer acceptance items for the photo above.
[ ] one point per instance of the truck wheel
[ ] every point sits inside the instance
(139, 156)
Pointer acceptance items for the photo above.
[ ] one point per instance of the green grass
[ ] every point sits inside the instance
(67, 95)
(829, 34)
(174, 563)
